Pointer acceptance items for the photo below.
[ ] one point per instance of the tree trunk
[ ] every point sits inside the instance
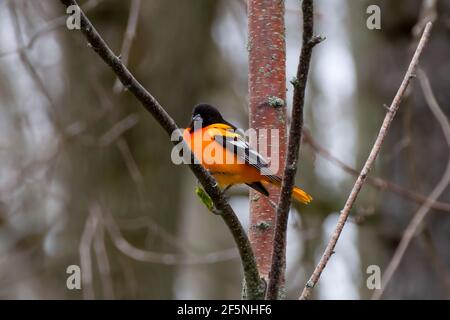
(267, 95)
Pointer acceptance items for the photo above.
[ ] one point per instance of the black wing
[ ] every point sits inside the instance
(244, 152)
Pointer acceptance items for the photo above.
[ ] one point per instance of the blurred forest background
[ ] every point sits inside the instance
(86, 176)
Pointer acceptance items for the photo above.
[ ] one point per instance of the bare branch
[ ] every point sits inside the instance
(87, 239)
(103, 263)
(128, 38)
(49, 26)
(428, 13)
(153, 227)
(410, 73)
(121, 143)
(118, 129)
(376, 182)
(157, 257)
(253, 281)
(420, 215)
(25, 58)
(295, 133)
(130, 162)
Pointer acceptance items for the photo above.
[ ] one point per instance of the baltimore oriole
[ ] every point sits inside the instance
(226, 154)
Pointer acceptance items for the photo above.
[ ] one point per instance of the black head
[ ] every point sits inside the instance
(207, 114)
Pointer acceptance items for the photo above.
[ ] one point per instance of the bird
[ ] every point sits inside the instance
(227, 155)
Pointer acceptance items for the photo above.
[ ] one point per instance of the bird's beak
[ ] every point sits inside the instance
(196, 121)
(197, 117)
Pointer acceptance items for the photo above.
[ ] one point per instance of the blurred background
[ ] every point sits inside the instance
(86, 177)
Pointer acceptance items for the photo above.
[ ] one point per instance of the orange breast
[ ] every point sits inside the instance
(222, 163)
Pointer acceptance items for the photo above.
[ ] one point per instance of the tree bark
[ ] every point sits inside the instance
(267, 95)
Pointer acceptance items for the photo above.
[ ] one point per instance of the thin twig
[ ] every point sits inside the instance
(295, 133)
(130, 33)
(25, 58)
(253, 281)
(86, 241)
(410, 73)
(155, 229)
(131, 164)
(34, 75)
(104, 266)
(376, 182)
(420, 215)
(121, 143)
(118, 129)
(428, 13)
(158, 257)
(49, 26)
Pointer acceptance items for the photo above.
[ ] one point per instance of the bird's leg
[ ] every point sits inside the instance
(225, 190)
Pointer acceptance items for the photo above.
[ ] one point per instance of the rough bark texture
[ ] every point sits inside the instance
(295, 136)
(267, 81)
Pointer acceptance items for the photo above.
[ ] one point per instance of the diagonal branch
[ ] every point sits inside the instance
(410, 73)
(96, 42)
(420, 215)
(376, 182)
(34, 75)
(295, 133)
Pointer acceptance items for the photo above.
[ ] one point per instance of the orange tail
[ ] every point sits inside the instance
(301, 196)
(297, 193)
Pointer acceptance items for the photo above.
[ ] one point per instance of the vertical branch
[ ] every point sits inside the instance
(85, 247)
(130, 33)
(267, 95)
(295, 133)
(329, 250)
(104, 266)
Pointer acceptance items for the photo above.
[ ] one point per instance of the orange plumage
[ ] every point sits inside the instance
(228, 166)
